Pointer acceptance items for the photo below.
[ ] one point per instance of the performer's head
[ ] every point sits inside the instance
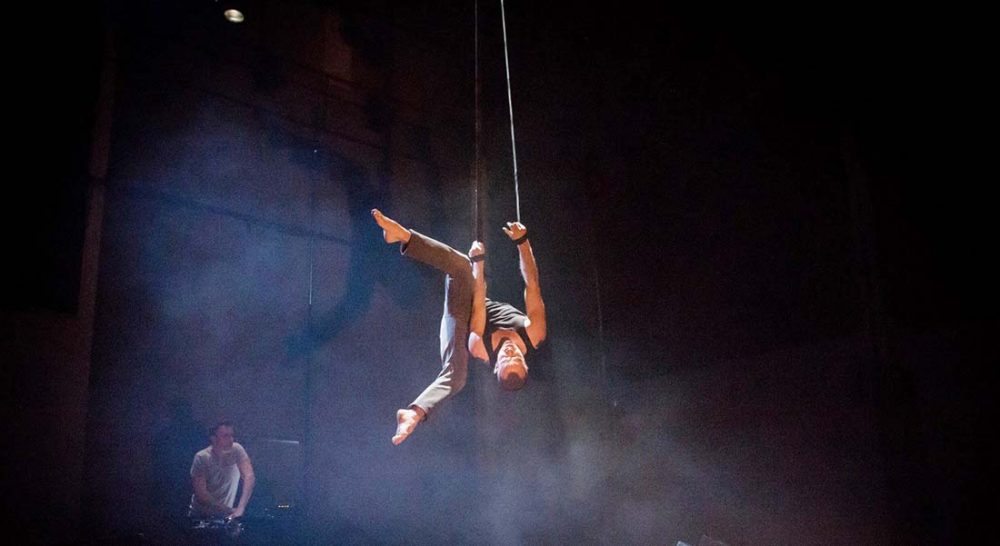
(510, 368)
(221, 436)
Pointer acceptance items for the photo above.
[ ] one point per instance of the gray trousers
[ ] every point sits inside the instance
(458, 287)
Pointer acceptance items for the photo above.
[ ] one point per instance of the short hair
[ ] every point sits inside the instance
(213, 429)
(513, 381)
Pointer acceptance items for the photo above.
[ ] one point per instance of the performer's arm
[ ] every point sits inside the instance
(249, 480)
(534, 307)
(477, 322)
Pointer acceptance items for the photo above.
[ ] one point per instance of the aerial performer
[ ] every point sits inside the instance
(494, 332)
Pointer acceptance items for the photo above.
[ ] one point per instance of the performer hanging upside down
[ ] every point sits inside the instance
(491, 331)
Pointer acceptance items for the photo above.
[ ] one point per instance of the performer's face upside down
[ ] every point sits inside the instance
(511, 370)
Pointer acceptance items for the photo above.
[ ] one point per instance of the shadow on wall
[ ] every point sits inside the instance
(369, 264)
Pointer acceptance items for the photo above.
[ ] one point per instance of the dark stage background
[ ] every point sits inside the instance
(763, 240)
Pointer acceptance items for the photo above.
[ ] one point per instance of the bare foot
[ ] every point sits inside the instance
(406, 421)
(392, 232)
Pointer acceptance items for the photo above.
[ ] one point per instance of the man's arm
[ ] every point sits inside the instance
(477, 322)
(205, 499)
(534, 307)
(246, 474)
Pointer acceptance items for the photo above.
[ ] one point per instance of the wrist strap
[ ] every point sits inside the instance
(522, 239)
(478, 258)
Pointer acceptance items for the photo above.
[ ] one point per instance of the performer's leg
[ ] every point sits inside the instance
(437, 255)
(454, 329)
(422, 248)
(454, 356)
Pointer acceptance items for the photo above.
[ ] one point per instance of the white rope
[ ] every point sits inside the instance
(510, 105)
(477, 230)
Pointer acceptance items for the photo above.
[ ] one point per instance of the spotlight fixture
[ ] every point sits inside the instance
(233, 15)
